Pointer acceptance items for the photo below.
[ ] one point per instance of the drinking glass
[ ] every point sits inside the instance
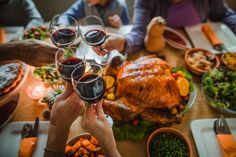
(92, 31)
(63, 30)
(90, 86)
(66, 61)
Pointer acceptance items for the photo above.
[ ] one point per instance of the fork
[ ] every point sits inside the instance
(221, 126)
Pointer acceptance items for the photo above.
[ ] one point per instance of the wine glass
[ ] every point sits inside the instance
(90, 86)
(92, 31)
(67, 61)
(63, 30)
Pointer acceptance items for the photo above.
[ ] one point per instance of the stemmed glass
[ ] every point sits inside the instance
(63, 30)
(92, 31)
(90, 86)
(66, 61)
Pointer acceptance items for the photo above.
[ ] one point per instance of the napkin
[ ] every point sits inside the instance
(2, 36)
(227, 144)
(27, 146)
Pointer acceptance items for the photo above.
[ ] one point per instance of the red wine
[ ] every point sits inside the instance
(67, 66)
(95, 37)
(63, 37)
(91, 88)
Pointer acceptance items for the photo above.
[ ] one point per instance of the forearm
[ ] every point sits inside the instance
(9, 51)
(108, 144)
(56, 142)
(135, 39)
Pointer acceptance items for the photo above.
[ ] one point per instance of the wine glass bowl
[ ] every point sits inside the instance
(92, 31)
(63, 30)
(90, 86)
(66, 61)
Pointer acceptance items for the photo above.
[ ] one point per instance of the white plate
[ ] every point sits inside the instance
(222, 31)
(205, 138)
(10, 137)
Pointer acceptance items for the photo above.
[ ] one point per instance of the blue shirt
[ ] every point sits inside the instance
(82, 8)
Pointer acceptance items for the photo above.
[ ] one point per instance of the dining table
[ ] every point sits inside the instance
(28, 109)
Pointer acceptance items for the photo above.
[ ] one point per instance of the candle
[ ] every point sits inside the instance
(36, 91)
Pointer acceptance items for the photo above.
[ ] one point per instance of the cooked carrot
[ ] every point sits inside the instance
(85, 142)
(68, 149)
(94, 140)
(100, 155)
(83, 150)
(91, 147)
(76, 146)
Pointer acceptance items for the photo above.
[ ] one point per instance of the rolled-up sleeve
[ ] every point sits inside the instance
(76, 10)
(135, 39)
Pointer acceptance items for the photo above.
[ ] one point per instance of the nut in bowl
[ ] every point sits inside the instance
(83, 145)
(167, 141)
(200, 60)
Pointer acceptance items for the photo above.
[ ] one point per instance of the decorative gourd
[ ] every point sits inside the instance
(154, 40)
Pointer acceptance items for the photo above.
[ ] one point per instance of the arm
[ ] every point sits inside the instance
(33, 52)
(34, 17)
(219, 11)
(95, 122)
(135, 39)
(76, 10)
(66, 109)
(124, 15)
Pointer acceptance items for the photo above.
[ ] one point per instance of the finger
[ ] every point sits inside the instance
(100, 109)
(66, 93)
(90, 112)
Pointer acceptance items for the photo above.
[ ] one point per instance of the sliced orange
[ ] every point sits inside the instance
(183, 85)
(109, 81)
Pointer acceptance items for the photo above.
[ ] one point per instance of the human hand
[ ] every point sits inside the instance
(115, 21)
(112, 42)
(66, 109)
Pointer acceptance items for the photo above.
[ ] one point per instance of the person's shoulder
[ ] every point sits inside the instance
(120, 2)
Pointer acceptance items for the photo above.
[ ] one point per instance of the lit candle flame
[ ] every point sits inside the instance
(36, 91)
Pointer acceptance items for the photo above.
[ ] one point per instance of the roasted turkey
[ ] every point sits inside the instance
(145, 88)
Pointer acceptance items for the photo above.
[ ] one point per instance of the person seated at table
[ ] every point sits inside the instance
(114, 13)
(178, 13)
(19, 13)
(30, 51)
(66, 109)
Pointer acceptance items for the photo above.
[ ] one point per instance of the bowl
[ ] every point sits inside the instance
(229, 60)
(200, 60)
(218, 89)
(167, 134)
(83, 144)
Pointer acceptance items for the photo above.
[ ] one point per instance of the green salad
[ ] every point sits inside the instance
(219, 86)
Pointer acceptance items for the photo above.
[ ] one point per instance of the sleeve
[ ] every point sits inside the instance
(135, 39)
(124, 15)
(219, 11)
(34, 17)
(76, 10)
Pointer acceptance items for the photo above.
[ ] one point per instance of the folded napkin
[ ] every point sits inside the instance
(2, 36)
(227, 144)
(27, 146)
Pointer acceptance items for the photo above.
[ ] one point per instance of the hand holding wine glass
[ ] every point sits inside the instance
(92, 31)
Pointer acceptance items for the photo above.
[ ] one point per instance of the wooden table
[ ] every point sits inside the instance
(28, 109)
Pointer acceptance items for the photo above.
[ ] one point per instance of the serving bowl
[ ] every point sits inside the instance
(200, 60)
(229, 60)
(168, 141)
(83, 144)
(218, 87)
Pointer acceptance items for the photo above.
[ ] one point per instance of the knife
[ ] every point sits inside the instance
(214, 40)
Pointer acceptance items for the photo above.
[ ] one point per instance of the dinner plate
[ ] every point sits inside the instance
(205, 138)
(175, 39)
(11, 98)
(10, 137)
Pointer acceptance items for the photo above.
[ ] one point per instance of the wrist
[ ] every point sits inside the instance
(122, 44)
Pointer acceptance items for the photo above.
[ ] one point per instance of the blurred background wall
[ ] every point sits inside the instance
(48, 8)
